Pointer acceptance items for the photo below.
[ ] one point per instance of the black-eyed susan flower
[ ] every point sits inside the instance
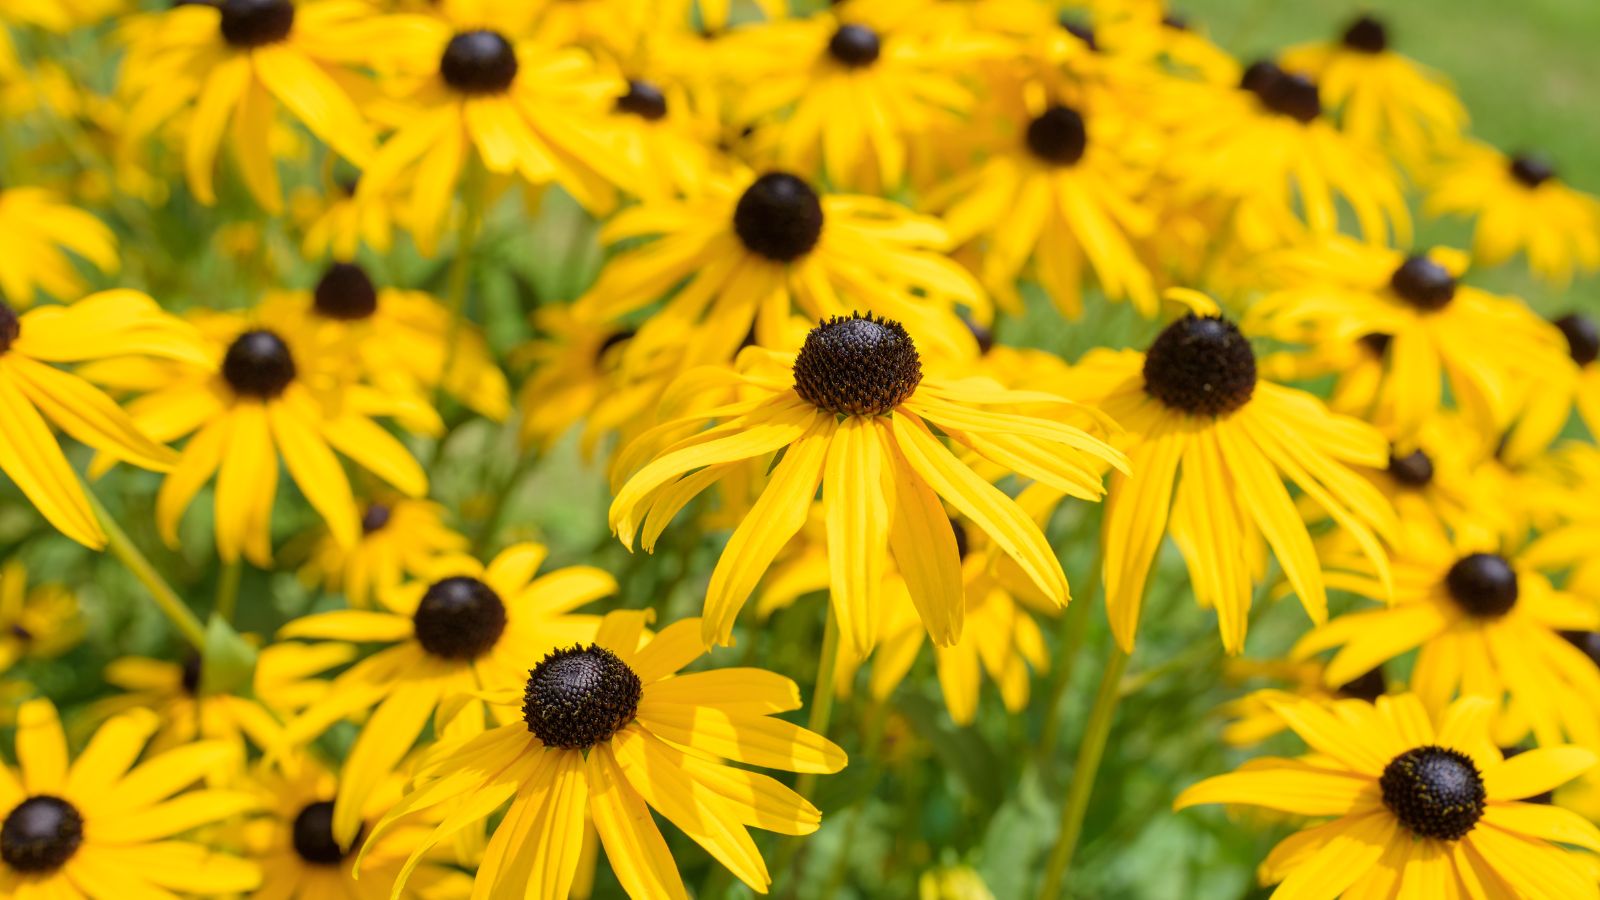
(1430, 327)
(260, 394)
(1253, 718)
(1485, 624)
(1547, 406)
(400, 538)
(664, 131)
(41, 623)
(335, 222)
(756, 249)
(1211, 445)
(607, 729)
(853, 412)
(1415, 803)
(465, 628)
(1382, 97)
(186, 712)
(1519, 204)
(104, 829)
(39, 231)
(123, 324)
(231, 64)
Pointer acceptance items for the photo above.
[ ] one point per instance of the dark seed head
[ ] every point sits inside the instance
(376, 517)
(1367, 35)
(313, 835)
(20, 632)
(1434, 791)
(1369, 686)
(345, 293)
(479, 62)
(256, 23)
(1058, 136)
(1202, 366)
(1423, 283)
(857, 366)
(1175, 21)
(40, 834)
(1583, 338)
(258, 364)
(1483, 585)
(984, 336)
(10, 326)
(1079, 29)
(1377, 343)
(190, 679)
(855, 46)
(1286, 93)
(1587, 641)
(779, 217)
(459, 618)
(1532, 169)
(1414, 469)
(580, 696)
(644, 100)
(1258, 75)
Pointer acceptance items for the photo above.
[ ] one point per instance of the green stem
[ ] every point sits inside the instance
(228, 591)
(1076, 803)
(821, 714)
(166, 598)
(473, 187)
(1074, 625)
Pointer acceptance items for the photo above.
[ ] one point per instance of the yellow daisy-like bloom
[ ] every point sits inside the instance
(1487, 625)
(337, 223)
(110, 324)
(467, 628)
(37, 231)
(39, 624)
(1193, 407)
(1382, 98)
(260, 393)
(1547, 406)
(230, 64)
(1569, 541)
(519, 106)
(665, 132)
(1254, 717)
(852, 413)
(607, 730)
(399, 538)
(299, 858)
(1519, 205)
(1418, 805)
(1062, 197)
(102, 828)
(59, 16)
(756, 248)
(1432, 331)
(185, 710)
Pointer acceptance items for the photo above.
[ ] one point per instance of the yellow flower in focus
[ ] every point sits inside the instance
(399, 538)
(37, 231)
(39, 624)
(1413, 799)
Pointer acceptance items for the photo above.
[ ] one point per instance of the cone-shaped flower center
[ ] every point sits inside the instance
(375, 518)
(313, 835)
(1058, 136)
(1434, 791)
(1414, 469)
(644, 100)
(41, 834)
(10, 326)
(459, 618)
(345, 293)
(580, 696)
(1583, 338)
(1532, 169)
(857, 366)
(1367, 35)
(1202, 366)
(479, 62)
(1423, 283)
(1368, 686)
(258, 364)
(190, 675)
(779, 216)
(1483, 585)
(1286, 93)
(256, 23)
(855, 46)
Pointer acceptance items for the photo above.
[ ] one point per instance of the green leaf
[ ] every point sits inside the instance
(230, 660)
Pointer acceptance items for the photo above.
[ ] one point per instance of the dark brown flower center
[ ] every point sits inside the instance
(1434, 791)
(1583, 338)
(857, 366)
(313, 835)
(256, 23)
(855, 46)
(580, 696)
(1058, 136)
(1201, 365)
(40, 834)
(1285, 93)
(10, 326)
(1532, 169)
(1483, 584)
(1367, 35)
(459, 618)
(1414, 469)
(644, 100)
(258, 364)
(479, 62)
(376, 517)
(346, 293)
(1423, 283)
(779, 217)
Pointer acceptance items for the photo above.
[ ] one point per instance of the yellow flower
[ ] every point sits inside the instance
(465, 628)
(1416, 804)
(231, 64)
(607, 730)
(852, 413)
(102, 828)
(337, 223)
(1547, 406)
(185, 711)
(399, 538)
(1254, 717)
(39, 624)
(1199, 420)
(952, 883)
(59, 16)
(35, 230)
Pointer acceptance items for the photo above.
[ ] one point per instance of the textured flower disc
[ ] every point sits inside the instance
(258, 364)
(479, 62)
(1058, 136)
(855, 46)
(1583, 338)
(1414, 469)
(857, 366)
(779, 217)
(580, 696)
(313, 835)
(40, 834)
(10, 326)
(1368, 686)
(1434, 791)
(345, 293)
(1483, 585)
(459, 618)
(644, 100)
(1532, 169)
(1201, 365)
(1423, 283)
(256, 23)
(1367, 35)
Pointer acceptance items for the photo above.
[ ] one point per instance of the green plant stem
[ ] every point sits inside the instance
(473, 188)
(1074, 625)
(228, 591)
(1076, 803)
(821, 714)
(166, 598)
